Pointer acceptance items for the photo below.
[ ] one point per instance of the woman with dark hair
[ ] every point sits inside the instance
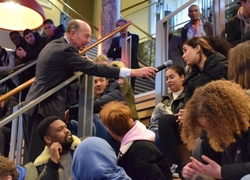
(206, 65)
(168, 136)
(218, 109)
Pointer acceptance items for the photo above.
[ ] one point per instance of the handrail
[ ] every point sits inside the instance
(139, 28)
(17, 89)
(29, 82)
(112, 33)
(142, 62)
(92, 25)
(37, 100)
(161, 49)
(59, 9)
(130, 7)
(18, 71)
(141, 8)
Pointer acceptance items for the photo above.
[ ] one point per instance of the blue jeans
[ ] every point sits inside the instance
(98, 130)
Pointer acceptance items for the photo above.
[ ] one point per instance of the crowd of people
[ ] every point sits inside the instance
(207, 108)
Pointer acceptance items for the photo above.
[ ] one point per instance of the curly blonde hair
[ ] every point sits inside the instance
(225, 107)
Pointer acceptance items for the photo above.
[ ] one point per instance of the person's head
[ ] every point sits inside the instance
(196, 50)
(15, 38)
(219, 44)
(222, 109)
(94, 158)
(101, 59)
(29, 36)
(174, 78)
(100, 84)
(53, 129)
(7, 169)
(49, 27)
(239, 64)
(117, 117)
(78, 33)
(246, 7)
(2, 92)
(194, 12)
(119, 23)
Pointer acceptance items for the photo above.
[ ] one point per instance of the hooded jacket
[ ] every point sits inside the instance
(139, 156)
(236, 29)
(215, 67)
(95, 159)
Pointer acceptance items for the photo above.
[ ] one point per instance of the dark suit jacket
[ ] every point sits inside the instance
(115, 51)
(55, 64)
(175, 50)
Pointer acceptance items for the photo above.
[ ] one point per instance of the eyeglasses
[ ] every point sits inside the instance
(86, 36)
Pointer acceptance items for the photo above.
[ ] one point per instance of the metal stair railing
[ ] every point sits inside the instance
(162, 43)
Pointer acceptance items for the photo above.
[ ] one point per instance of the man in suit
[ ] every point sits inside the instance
(115, 49)
(56, 63)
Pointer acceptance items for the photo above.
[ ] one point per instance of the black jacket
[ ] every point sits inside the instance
(144, 161)
(115, 50)
(111, 93)
(58, 33)
(235, 170)
(215, 67)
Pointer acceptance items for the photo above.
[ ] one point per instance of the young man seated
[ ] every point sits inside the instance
(56, 159)
(138, 155)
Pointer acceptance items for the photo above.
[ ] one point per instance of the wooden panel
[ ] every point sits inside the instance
(145, 113)
(144, 98)
(145, 105)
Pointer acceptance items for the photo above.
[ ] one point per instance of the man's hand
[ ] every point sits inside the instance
(189, 170)
(146, 72)
(55, 150)
(20, 52)
(211, 169)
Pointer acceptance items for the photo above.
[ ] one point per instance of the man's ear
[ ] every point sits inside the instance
(47, 139)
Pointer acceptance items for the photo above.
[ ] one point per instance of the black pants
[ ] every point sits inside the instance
(170, 138)
(33, 144)
(5, 133)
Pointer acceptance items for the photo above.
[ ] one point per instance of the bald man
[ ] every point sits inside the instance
(56, 63)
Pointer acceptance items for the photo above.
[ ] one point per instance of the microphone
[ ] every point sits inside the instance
(165, 65)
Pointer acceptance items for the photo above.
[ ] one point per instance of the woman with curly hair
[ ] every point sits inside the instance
(218, 109)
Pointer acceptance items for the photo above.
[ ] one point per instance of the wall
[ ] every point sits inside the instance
(50, 13)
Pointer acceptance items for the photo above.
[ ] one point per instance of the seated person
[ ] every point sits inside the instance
(138, 155)
(6, 109)
(56, 159)
(17, 39)
(51, 31)
(105, 90)
(126, 88)
(7, 63)
(100, 162)
(8, 170)
(34, 46)
(219, 110)
(170, 104)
